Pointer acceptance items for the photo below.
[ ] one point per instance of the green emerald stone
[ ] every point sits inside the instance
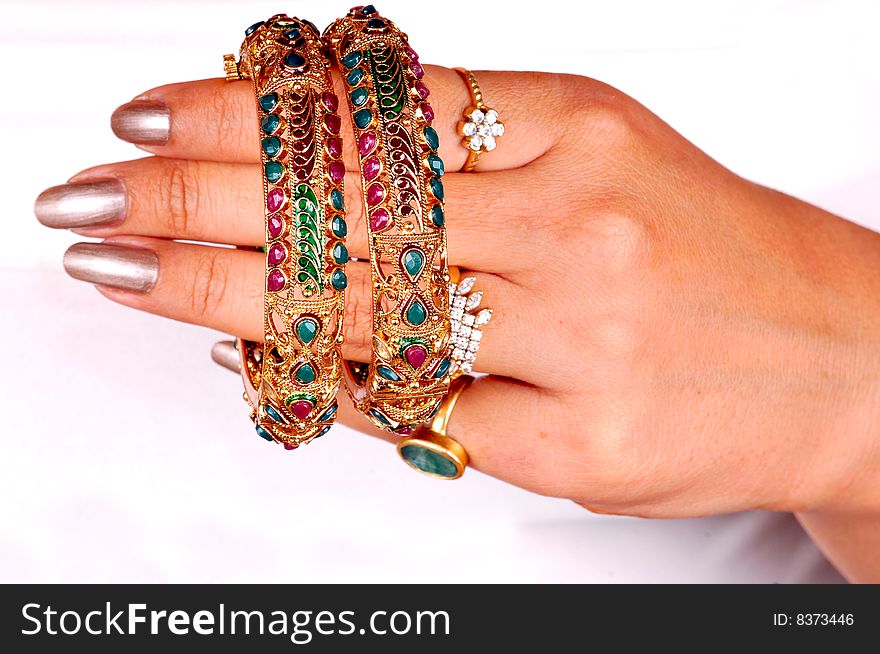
(306, 374)
(432, 138)
(381, 418)
(337, 200)
(274, 171)
(416, 314)
(359, 97)
(338, 279)
(263, 433)
(413, 261)
(437, 188)
(352, 59)
(269, 101)
(340, 253)
(271, 146)
(388, 373)
(437, 216)
(354, 77)
(363, 118)
(270, 123)
(435, 163)
(442, 369)
(329, 413)
(429, 461)
(338, 226)
(294, 59)
(272, 412)
(253, 28)
(306, 330)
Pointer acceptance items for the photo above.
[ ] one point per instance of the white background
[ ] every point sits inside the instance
(127, 456)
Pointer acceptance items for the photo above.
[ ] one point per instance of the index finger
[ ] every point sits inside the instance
(212, 120)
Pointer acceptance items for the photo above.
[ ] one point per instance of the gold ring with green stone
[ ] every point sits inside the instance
(429, 449)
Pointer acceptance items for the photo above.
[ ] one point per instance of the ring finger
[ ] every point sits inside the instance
(222, 288)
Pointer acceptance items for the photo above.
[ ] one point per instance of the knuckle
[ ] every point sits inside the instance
(209, 286)
(621, 242)
(181, 197)
(357, 327)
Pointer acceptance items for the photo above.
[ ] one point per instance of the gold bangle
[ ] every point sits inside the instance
(407, 377)
(480, 127)
(291, 379)
(429, 449)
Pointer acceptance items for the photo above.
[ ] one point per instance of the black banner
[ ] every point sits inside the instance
(116, 618)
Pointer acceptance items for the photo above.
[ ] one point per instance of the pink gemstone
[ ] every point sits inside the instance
(367, 142)
(375, 194)
(330, 101)
(417, 69)
(275, 199)
(411, 54)
(372, 168)
(288, 446)
(415, 355)
(276, 225)
(333, 123)
(421, 89)
(337, 171)
(301, 409)
(334, 147)
(277, 254)
(427, 111)
(276, 280)
(405, 431)
(380, 219)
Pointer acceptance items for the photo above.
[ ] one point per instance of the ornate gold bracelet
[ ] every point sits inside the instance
(407, 378)
(292, 378)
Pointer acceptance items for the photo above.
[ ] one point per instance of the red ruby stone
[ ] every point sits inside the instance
(276, 225)
(288, 446)
(375, 194)
(417, 69)
(333, 123)
(301, 409)
(334, 147)
(275, 199)
(367, 142)
(421, 89)
(372, 168)
(415, 355)
(405, 431)
(330, 101)
(276, 281)
(337, 171)
(411, 53)
(427, 111)
(380, 219)
(277, 254)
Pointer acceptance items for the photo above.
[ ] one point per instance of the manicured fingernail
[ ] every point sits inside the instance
(142, 122)
(224, 354)
(82, 204)
(122, 267)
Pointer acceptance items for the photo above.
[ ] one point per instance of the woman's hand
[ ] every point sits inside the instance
(669, 339)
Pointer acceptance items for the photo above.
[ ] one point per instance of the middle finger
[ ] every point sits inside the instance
(223, 203)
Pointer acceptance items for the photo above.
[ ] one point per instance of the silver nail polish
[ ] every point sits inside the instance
(224, 354)
(122, 267)
(82, 204)
(142, 123)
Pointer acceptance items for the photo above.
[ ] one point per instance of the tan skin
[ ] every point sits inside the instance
(669, 340)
